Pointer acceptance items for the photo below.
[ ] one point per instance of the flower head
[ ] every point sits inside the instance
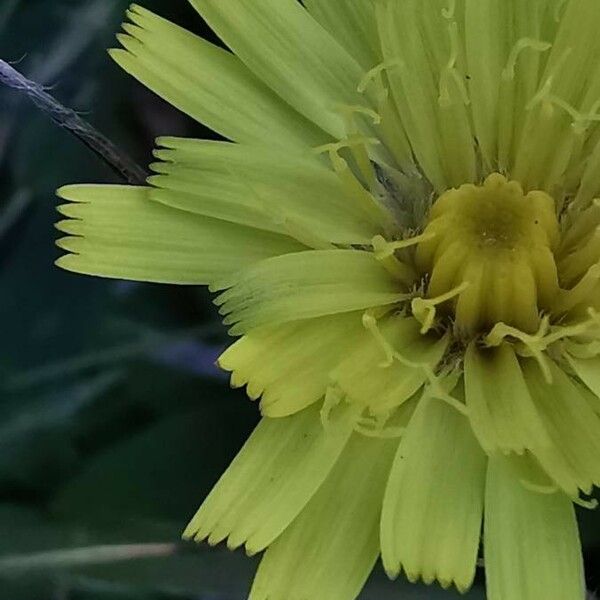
(404, 233)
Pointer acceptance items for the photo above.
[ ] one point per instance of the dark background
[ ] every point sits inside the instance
(114, 422)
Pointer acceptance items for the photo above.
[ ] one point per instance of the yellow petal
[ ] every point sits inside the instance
(531, 545)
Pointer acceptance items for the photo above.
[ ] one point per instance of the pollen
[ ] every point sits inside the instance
(496, 244)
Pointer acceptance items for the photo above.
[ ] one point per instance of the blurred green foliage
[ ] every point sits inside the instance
(114, 422)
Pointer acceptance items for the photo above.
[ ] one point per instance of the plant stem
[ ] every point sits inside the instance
(92, 555)
(68, 119)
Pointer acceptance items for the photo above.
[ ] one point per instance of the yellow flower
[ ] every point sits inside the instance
(404, 233)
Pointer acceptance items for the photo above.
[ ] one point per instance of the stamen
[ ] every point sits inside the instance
(376, 427)
(591, 504)
(353, 186)
(541, 95)
(450, 11)
(391, 128)
(581, 293)
(333, 148)
(510, 125)
(333, 398)
(454, 44)
(437, 383)
(532, 345)
(523, 44)
(537, 345)
(436, 390)
(544, 91)
(360, 152)
(562, 332)
(424, 309)
(445, 97)
(384, 253)
(385, 248)
(372, 75)
(369, 320)
(451, 73)
(581, 121)
(349, 110)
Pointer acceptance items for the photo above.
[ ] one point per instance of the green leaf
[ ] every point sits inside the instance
(37, 430)
(164, 472)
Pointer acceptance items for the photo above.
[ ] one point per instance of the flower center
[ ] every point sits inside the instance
(493, 244)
